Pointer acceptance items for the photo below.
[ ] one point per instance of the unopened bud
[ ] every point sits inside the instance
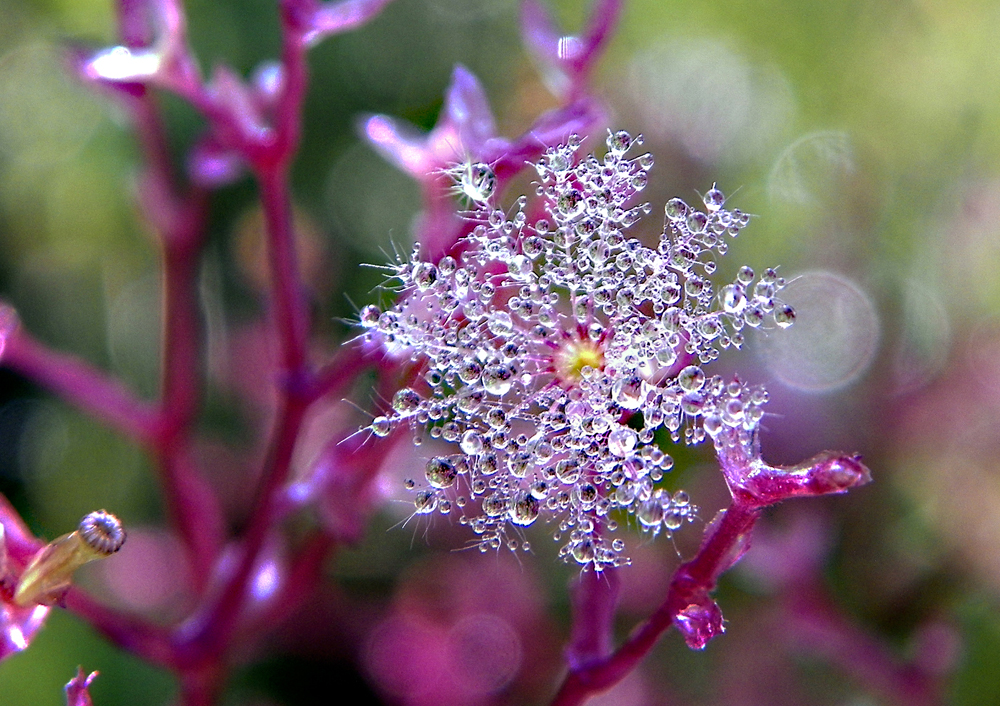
(50, 572)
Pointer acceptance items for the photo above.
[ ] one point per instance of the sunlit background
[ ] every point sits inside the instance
(863, 135)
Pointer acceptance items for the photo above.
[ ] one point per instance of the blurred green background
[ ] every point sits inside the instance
(864, 135)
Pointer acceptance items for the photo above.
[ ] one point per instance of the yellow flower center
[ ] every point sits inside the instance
(576, 355)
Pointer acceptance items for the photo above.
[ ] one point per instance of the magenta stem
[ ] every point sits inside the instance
(83, 386)
(594, 599)
(130, 633)
(289, 300)
(692, 581)
(810, 620)
(179, 218)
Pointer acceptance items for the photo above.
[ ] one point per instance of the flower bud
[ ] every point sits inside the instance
(50, 572)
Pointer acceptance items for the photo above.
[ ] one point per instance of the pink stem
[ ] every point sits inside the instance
(128, 632)
(690, 586)
(83, 386)
(289, 302)
(179, 219)
(209, 633)
(810, 621)
(594, 599)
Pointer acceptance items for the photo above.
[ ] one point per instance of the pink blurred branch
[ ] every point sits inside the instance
(688, 606)
(82, 385)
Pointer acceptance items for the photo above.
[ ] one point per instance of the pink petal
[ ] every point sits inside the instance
(77, 693)
(335, 18)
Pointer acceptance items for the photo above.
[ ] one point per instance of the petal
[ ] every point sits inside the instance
(467, 112)
(582, 117)
(565, 60)
(142, 23)
(18, 626)
(211, 165)
(335, 18)
(77, 693)
(400, 143)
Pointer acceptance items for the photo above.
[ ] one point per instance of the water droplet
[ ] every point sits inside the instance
(494, 505)
(424, 275)
(469, 371)
(478, 182)
(523, 508)
(627, 392)
(583, 550)
(369, 316)
(498, 379)
(622, 441)
(650, 513)
(691, 378)
(472, 443)
(784, 316)
(693, 403)
(754, 316)
(710, 328)
(586, 495)
(619, 142)
(488, 464)
(734, 300)
(676, 209)
(714, 199)
(500, 323)
(496, 417)
(570, 203)
(440, 472)
(697, 221)
(745, 275)
(425, 502)
(673, 519)
(381, 426)
(447, 265)
(406, 401)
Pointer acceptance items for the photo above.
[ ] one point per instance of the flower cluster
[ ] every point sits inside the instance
(550, 348)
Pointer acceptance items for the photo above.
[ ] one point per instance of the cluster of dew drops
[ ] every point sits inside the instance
(553, 347)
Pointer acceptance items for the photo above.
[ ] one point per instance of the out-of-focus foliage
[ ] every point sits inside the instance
(866, 136)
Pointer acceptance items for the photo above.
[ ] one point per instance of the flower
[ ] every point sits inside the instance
(35, 576)
(550, 351)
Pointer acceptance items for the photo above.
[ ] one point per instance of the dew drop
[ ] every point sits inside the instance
(494, 505)
(784, 316)
(472, 443)
(381, 426)
(523, 508)
(734, 301)
(627, 393)
(440, 472)
(650, 513)
(406, 401)
(425, 502)
(622, 441)
(691, 378)
(478, 182)
(498, 379)
(714, 200)
(619, 142)
(697, 221)
(676, 209)
(370, 315)
(583, 550)
(673, 519)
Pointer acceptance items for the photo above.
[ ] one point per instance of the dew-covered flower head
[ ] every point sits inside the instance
(550, 347)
